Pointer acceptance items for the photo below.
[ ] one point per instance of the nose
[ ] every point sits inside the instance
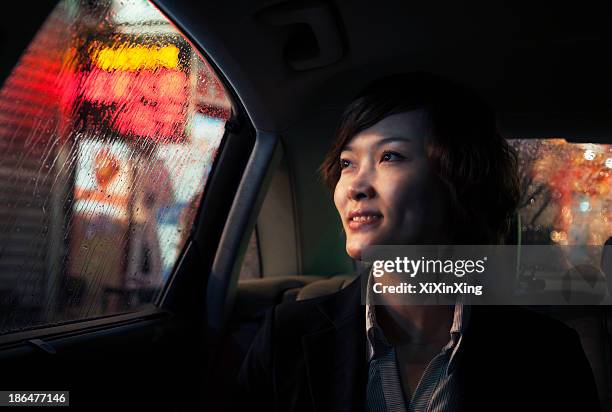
(361, 187)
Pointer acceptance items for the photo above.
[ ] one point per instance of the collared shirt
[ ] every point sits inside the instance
(437, 390)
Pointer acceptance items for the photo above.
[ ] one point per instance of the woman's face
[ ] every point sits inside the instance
(387, 194)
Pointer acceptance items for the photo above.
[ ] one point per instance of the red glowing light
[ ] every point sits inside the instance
(149, 103)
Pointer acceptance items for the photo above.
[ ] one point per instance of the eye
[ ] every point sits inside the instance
(391, 156)
(344, 163)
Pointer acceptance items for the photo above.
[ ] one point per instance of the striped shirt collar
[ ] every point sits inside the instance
(377, 341)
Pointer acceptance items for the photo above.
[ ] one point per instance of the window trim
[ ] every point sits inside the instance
(78, 327)
(223, 279)
(256, 233)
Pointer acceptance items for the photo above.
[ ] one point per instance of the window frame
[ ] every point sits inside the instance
(163, 307)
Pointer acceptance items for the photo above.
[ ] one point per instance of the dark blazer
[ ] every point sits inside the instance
(310, 356)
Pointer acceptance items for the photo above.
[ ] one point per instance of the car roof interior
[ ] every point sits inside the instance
(531, 62)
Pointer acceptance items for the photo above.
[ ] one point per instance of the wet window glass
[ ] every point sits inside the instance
(109, 126)
(566, 192)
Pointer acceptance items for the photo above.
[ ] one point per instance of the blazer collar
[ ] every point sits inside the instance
(345, 304)
(335, 355)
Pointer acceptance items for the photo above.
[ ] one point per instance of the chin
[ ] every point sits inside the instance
(354, 252)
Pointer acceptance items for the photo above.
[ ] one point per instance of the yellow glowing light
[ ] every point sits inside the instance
(132, 58)
(555, 236)
(558, 236)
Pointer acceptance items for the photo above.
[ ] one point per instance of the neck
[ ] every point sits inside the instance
(415, 324)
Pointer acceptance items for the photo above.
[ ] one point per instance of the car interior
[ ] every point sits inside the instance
(265, 230)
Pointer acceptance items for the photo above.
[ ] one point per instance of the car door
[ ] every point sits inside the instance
(130, 175)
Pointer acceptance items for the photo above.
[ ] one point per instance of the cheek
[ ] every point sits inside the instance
(338, 198)
(406, 197)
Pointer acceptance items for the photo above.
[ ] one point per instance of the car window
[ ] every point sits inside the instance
(566, 192)
(109, 126)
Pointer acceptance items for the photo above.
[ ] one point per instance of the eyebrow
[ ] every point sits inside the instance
(381, 142)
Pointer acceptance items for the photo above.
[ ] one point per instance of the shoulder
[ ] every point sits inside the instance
(544, 352)
(307, 316)
(521, 322)
(276, 357)
(521, 336)
(286, 324)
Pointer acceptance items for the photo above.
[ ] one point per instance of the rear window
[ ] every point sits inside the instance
(566, 192)
(109, 127)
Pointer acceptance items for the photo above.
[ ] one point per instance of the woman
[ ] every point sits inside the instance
(416, 160)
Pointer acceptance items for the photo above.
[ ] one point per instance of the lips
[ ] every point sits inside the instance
(361, 219)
